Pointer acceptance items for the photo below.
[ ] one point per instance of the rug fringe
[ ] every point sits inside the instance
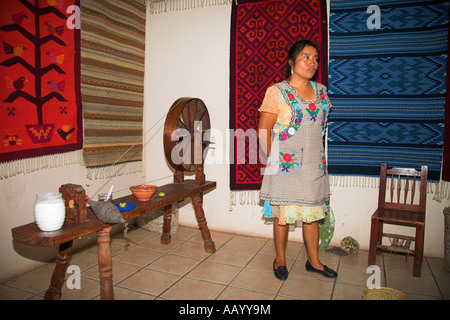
(243, 197)
(28, 165)
(159, 6)
(441, 190)
(354, 181)
(115, 170)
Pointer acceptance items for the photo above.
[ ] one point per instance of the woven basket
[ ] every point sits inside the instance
(383, 293)
(447, 238)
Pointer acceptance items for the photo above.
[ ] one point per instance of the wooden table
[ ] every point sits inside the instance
(30, 234)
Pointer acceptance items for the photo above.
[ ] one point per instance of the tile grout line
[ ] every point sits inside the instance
(295, 260)
(434, 278)
(335, 279)
(242, 269)
(184, 275)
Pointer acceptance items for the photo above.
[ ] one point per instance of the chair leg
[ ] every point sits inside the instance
(373, 241)
(418, 250)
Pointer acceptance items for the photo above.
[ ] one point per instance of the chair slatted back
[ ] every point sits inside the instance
(401, 183)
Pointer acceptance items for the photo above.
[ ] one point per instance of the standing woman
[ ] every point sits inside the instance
(295, 111)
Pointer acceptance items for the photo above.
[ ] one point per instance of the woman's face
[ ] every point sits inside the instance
(306, 63)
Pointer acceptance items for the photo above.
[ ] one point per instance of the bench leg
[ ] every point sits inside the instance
(200, 215)
(165, 236)
(62, 261)
(105, 264)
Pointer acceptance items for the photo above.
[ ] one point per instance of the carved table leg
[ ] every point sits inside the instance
(62, 261)
(105, 264)
(200, 215)
(165, 236)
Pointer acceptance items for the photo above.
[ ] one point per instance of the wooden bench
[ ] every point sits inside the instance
(30, 234)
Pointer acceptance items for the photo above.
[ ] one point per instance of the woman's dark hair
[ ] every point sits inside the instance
(295, 50)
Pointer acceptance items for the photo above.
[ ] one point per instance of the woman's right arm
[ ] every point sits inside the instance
(266, 122)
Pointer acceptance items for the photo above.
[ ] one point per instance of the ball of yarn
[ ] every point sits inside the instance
(350, 245)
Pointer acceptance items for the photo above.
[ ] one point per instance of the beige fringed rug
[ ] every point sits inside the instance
(159, 6)
(112, 85)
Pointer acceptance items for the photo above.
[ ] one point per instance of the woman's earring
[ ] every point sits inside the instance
(292, 71)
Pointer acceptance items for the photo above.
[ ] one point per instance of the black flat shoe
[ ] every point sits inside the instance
(326, 272)
(281, 272)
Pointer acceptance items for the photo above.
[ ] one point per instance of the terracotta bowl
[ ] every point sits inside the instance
(143, 192)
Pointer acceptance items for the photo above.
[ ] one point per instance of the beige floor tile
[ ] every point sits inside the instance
(83, 260)
(192, 289)
(126, 294)
(343, 291)
(233, 293)
(307, 288)
(191, 249)
(89, 289)
(92, 249)
(33, 281)
(412, 296)
(293, 249)
(360, 259)
(246, 243)
(149, 281)
(231, 256)
(257, 281)
(264, 263)
(154, 243)
(120, 271)
(137, 256)
(238, 251)
(219, 238)
(402, 263)
(176, 264)
(358, 276)
(133, 236)
(214, 272)
(116, 247)
(441, 275)
(185, 233)
(407, 283)
(8, 293)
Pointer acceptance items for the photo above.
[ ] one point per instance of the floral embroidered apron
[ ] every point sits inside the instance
(296, 173)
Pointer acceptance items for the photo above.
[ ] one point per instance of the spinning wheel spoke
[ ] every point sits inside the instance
(199, 113)
(181, 125)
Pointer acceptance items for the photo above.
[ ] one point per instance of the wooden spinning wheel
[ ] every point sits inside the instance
(186, 136)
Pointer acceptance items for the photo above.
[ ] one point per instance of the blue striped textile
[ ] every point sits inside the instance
(387, 85)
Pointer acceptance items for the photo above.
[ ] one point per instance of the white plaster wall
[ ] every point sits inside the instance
(188, 55)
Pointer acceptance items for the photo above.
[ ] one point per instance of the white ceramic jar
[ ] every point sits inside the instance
(49, 211)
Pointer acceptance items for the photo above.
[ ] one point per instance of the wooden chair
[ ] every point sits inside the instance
(401, 209)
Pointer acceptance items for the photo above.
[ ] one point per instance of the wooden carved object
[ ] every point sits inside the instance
(75, 201)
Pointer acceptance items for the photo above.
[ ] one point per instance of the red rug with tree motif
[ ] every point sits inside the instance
(41, 112)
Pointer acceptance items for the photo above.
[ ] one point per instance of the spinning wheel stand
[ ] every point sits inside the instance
(186, 138)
